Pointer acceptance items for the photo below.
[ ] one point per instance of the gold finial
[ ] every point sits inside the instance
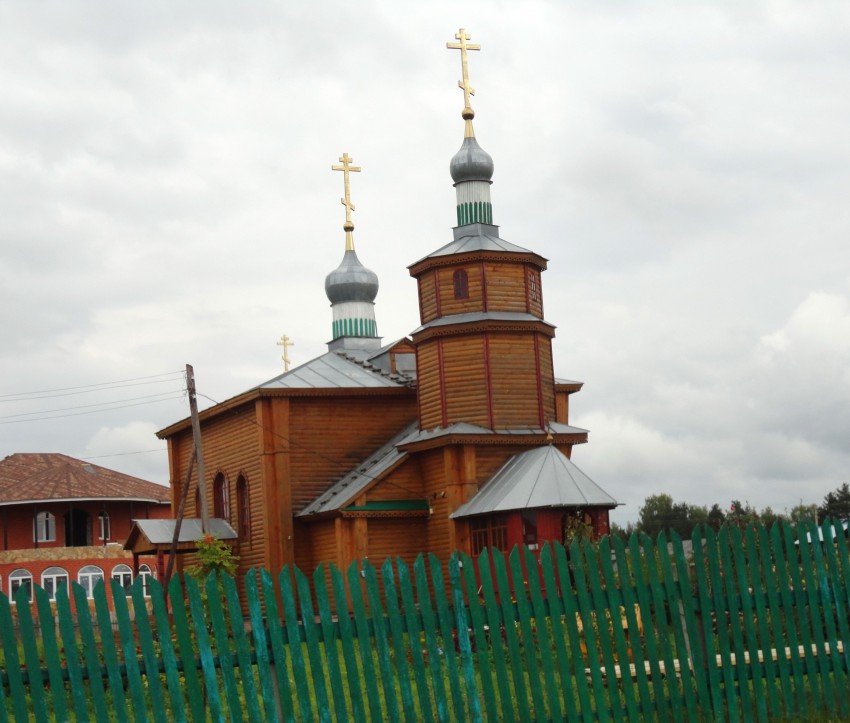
(467, 114)
(285, 342)
(348, 226)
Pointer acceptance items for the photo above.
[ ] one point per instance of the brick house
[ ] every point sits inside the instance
(64, 519)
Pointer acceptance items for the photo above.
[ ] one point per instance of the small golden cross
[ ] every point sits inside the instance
(285, 343)
(347, 168)
(468, 90)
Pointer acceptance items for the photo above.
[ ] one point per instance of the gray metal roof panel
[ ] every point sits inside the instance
(332, 370)
(160, 532)
(474, 317)
(473, 429)
(475, 237)
(343, 491)
(540, 477)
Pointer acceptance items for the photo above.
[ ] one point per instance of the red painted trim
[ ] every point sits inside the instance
(540, 409)
(488, 380)
(438, 301)
(483, 287)
(442, 380)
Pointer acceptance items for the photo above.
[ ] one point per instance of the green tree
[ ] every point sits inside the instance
(716, 517)
(803, 512)
(836, 504)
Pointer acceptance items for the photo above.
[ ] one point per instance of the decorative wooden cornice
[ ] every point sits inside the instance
(482, 326)
(494, 440)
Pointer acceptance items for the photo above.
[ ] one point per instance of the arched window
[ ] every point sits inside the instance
(44, 527)
(18, 579)
(221, 497)
(88, 577)
(52, 578)
(461, 284)
(243, 508)
(105, 531)
(124, 575)
(533, 285)
(146, 575)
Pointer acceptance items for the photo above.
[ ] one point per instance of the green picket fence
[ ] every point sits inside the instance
(752, 627)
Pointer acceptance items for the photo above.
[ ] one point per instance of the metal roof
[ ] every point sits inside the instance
(473, 429)
(352, 484)
(336, 370)
(476, 237)
(161, 532)
(540, 477)
(474, 317)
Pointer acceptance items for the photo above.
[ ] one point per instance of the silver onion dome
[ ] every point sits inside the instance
(471, 163)
(351, 281)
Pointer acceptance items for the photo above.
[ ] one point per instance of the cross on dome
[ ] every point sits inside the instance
(346, 169)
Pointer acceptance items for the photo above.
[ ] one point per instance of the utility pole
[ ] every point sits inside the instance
(196, 437)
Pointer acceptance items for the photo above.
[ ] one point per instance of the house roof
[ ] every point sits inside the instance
(342, 492)
(337, 370)
(50, 477)
(540, 477)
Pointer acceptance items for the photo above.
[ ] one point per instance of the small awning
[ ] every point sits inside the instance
(149, 536)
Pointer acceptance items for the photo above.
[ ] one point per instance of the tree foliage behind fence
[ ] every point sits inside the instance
(751, 628)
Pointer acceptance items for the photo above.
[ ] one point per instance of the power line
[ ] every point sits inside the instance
(124, 454)
(101, 386)
(87, 406)
(93, 411)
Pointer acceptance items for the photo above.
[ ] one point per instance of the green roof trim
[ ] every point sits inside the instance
(389, 505)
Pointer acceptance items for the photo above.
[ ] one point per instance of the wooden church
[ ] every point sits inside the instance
(457, 438)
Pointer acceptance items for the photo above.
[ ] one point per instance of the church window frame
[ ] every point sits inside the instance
(221, 497)
(243, 508)
(460, 282)
(533, 285)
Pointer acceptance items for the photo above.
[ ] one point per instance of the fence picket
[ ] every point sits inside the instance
(311, 638)
(394, 620)
(248, 689)
(361, 625)
(199, 625)
(89, 643)
(544, 625)
(296, 653)
(190, 663)
(479, 633)
(496, 628)
(261, 646)
(166, 646)
(840, 602)
(382, 648)
(414, 633)
(145, 637)
(634, 586)
(46, 619)
(686, 630)
(329, 637)
(277, 645)
(346, 635)
(33, 664)
(432, 643)
(14, 674)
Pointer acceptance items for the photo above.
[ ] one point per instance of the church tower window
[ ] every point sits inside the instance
(460, 279)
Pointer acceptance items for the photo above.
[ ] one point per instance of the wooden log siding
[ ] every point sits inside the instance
(428, 385)
(506, 286)
(466, 380)
(428, 296)
(516, 387)
(319, 455)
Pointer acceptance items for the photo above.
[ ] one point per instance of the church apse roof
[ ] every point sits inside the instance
(540, 477)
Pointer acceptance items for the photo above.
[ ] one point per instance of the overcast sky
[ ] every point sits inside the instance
(166, 198)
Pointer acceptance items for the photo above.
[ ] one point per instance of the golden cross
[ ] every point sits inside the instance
(468, 90)
(285, 343)
(347, 168)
